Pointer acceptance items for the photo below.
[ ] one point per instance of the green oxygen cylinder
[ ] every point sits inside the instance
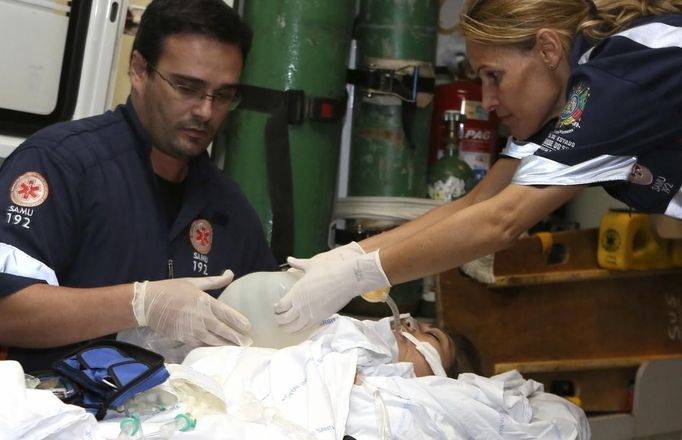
(389, 140)
(390, 134)
(299, 45)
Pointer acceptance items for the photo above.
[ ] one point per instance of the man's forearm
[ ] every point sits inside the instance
(42, 316)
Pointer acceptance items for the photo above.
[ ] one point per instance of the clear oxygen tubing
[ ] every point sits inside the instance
(253, 410)
(396, 326)
(383, 422)
(131, 428)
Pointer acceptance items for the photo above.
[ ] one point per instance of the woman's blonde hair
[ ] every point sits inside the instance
(516, 22)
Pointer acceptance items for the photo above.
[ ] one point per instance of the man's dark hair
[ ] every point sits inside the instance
(212, 18)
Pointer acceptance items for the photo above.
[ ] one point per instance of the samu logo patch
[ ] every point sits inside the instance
(574, 108)
(29, 190)
(201, 236)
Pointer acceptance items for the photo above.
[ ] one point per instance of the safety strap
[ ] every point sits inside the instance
(392, 82)
(288, 107)
(298, 106)
(402, 83)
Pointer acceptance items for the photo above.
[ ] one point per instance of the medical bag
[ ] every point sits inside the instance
(108, 373)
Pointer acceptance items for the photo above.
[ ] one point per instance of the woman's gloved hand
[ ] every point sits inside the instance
(326, 286)
(345, 252)
(182, 310)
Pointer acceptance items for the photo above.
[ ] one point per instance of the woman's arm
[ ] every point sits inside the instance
(494, 181)
(481, 229)
(446, 241)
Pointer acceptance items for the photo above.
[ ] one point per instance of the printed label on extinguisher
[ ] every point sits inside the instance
(478, 140)
(474, 110)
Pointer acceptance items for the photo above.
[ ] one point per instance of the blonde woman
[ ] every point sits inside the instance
(592, 95)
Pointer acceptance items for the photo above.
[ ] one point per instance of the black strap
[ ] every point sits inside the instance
(299, 107)
(288, 107)
(407, 112)
(392, 82)
(396, 83)
(280, 183)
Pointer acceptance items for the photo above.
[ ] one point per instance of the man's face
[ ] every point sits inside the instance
(180, 125)
(443, 344)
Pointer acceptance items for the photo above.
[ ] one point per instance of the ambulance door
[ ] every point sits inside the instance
(57, 62)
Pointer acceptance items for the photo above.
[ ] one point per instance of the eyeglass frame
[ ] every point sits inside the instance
(189, 93)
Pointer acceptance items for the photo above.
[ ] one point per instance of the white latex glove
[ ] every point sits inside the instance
(327, 286)
(345, 252)
(180, 309)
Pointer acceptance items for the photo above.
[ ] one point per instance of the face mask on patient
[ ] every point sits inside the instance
(428, 348)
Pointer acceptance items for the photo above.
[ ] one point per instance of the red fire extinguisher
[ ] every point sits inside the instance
(478, 146)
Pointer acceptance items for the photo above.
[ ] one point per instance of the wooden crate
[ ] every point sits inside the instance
(553, 314)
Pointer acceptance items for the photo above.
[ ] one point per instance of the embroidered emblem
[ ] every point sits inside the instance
(201, 236)
(29, 190)
(641, 175)
(574, 108)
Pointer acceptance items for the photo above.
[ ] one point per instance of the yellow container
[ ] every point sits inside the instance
(676, 252)
(375, 296)
(628, 240)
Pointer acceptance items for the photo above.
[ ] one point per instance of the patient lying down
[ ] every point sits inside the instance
(359, 378)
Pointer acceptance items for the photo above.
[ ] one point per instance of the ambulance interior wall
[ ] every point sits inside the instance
(586, 210)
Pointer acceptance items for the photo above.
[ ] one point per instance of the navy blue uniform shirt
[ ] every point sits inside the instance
(621, 127)
(81, 208)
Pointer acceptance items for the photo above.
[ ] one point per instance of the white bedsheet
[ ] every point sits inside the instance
(308, 391)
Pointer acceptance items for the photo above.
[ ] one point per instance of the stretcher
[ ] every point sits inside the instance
(338, 383)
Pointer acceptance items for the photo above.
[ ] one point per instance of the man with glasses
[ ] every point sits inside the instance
(121, 220)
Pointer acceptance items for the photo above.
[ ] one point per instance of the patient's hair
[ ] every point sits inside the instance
(466, 356)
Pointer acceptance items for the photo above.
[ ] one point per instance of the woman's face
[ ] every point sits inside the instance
(443, 344)
(521, 87)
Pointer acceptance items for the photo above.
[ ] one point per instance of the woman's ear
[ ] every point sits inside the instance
(549, 48)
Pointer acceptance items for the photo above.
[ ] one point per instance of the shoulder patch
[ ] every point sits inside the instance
(574, 108)
(29, 190)
(201, 236)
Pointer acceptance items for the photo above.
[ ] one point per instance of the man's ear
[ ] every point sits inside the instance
(548, 46)
(138, 68)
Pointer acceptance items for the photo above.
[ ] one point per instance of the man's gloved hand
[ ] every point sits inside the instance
(180, 309)
(327, 286)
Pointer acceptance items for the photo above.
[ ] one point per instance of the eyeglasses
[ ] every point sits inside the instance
(227, 96)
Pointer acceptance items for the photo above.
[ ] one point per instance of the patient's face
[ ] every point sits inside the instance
(443, 344)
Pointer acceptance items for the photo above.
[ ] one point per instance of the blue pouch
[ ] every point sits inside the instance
(109, 373)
